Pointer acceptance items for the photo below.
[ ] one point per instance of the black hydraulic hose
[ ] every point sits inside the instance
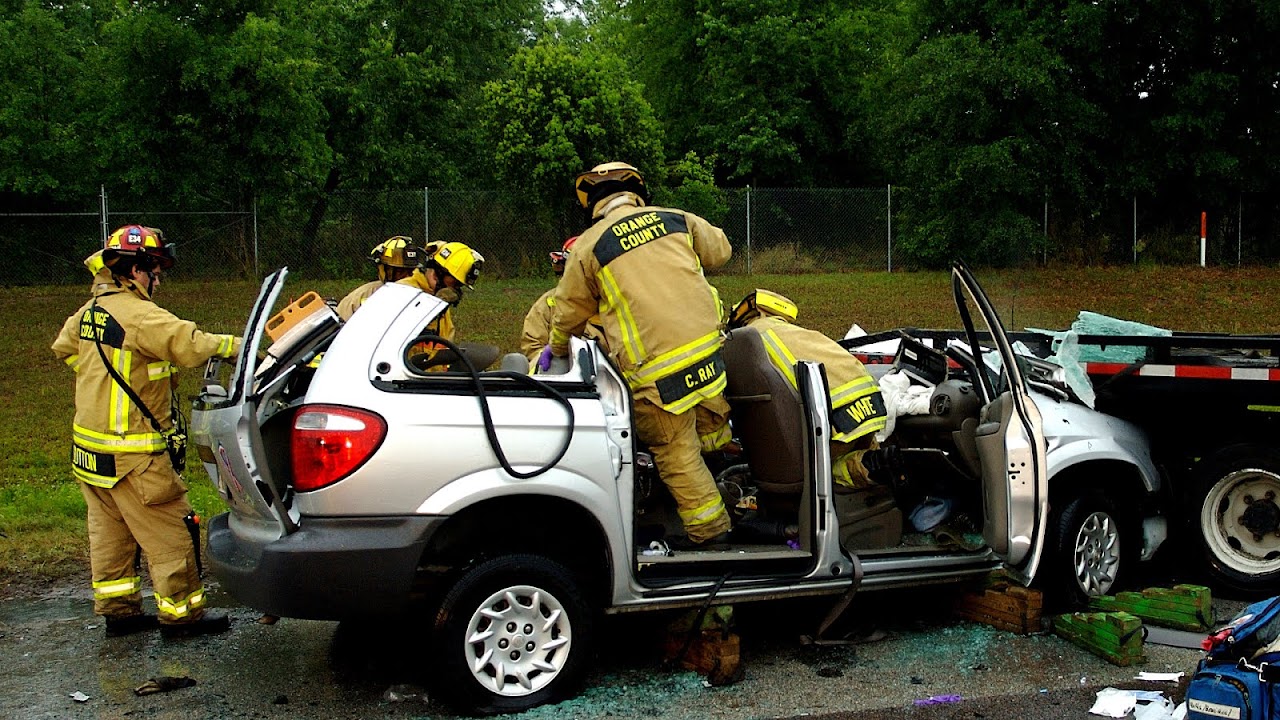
(491, 432)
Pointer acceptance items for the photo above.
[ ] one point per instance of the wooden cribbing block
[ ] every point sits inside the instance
(713, 653)
(1003, 605)
(1184, 607)
(712, 650)
(1113, 636)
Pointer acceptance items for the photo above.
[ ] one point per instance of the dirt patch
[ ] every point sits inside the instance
(71, 580)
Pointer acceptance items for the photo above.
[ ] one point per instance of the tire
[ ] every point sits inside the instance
(512, 633)
(1088, 548)
(1235, 510)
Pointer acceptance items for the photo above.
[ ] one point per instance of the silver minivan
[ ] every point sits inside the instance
(511, 510)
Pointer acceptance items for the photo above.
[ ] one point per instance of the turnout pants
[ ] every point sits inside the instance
(676, 442)
(145, 509)
(846, 462)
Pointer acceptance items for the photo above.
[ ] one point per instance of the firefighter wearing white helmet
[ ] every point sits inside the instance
(124, 350)
(444, 273)
(641, 269)
(396, 258)
(857, 408)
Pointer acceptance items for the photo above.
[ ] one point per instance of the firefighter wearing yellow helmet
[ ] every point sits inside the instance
(445, 273)
(641, 269)
(396, 258)
(124, 350)
(857, 408)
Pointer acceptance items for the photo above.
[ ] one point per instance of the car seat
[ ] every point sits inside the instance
(767, 414)
(768, 417)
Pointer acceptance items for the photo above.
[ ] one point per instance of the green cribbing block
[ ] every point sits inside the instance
(1113, 636)
(1185, 607)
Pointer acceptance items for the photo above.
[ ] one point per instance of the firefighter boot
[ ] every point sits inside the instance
(209, 623)
(121, 625)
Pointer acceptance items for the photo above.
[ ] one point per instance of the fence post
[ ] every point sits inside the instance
(102, 197)
(1135, 229)
(1239, 227)
(426, 216)
(1204, 221)
(1046, 232)
(257, 275)
(888, 232)
(748, 229)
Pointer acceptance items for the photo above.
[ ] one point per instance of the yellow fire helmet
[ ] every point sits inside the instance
(399, 251)
(763, 302)
(604, 180)
(460, 261)
(137, 241)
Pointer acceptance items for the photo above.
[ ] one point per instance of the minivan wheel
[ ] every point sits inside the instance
(512, 633)
(1086, 549)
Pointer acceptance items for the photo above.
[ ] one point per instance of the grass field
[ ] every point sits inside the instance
(42, 514)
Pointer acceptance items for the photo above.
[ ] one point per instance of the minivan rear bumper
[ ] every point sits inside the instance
(330, 569)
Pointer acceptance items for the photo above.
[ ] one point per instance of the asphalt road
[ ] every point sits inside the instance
(52, 646)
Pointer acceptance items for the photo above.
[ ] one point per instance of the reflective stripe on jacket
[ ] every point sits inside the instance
(641, 269)
(857, 408)
(143, 342)
(537, 327)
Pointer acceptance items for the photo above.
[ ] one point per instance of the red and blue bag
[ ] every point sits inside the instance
(1239, 677)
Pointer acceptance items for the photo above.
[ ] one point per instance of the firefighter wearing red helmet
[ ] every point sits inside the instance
(120, 445)
(641, 269)
(537, 322)
(396, 258)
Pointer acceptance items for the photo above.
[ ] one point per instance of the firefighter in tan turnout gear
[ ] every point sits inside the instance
(537, 322)
(640, 268)
(446, 270)
(857, 408)
(134, 495)
(396, 257)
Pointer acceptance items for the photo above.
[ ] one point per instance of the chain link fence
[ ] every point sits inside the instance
(1241, 230)
(773, 230)
(50, 248)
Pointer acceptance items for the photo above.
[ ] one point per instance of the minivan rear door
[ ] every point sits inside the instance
(1010, 435)
(226, 432)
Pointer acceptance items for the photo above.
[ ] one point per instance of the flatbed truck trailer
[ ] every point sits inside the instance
(1210, 405)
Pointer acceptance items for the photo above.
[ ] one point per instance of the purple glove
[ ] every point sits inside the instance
(544, 360)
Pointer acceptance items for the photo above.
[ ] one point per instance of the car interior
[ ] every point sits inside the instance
(766, 487)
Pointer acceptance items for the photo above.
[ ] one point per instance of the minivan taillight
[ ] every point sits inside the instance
(330, 441)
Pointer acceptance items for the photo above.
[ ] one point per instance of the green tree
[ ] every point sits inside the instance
(557, 113)
(983, 118)
(768, 87)
(42, 109)
(206, 110)
(691, 185)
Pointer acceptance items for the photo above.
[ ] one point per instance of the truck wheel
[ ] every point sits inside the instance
(1086, 548)
(1237, 509)
(513, 633)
